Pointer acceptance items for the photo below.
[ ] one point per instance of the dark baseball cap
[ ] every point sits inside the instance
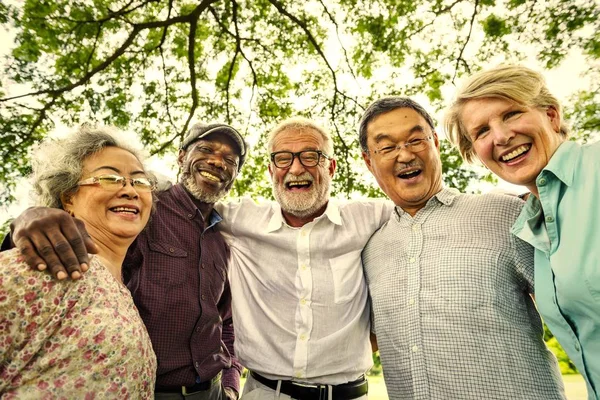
(200, 130)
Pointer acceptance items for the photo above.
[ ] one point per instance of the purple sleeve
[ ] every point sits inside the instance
(231, 376)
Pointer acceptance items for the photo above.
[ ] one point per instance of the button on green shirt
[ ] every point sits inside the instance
(564, 227)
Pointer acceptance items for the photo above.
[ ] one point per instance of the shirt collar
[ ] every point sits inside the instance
(445, 196)
(562, 163)
(332, 212)
(188, 207)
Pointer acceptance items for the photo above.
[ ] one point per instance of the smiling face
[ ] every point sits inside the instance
(409, 179)
(515, 142)
(209, 167)
(112, 213)
(301, 191)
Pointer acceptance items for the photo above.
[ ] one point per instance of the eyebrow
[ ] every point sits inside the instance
(383, 136)
(136, 172)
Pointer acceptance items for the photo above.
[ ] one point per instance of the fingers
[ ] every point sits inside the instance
(54, 240)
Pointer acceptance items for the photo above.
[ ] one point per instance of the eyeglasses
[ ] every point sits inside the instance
(391, 151)
(308, 158)
(116, 182)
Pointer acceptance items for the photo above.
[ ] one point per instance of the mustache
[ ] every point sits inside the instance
(305, 176)
(413, 164)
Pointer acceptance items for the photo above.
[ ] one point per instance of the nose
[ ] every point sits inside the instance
(128, 190)
(296, 168)
(501, 134)
(403, 155)
(217, 161)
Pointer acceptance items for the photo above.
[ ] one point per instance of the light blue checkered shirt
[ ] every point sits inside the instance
(453, 315)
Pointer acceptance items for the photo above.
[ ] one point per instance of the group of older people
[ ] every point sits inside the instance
(443, 282)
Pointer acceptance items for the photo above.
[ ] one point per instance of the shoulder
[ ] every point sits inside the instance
(491, 204)
(367, 206)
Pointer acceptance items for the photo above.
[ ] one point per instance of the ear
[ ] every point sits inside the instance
(554, 117)
(271, 171)
(181, 157)
(367, 160)
(332, 166)
(436, 141)
(66, 200)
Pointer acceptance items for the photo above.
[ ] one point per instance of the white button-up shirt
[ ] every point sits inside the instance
(300, 302)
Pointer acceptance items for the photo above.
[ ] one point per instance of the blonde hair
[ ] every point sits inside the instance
(515, 83)
(301, 124)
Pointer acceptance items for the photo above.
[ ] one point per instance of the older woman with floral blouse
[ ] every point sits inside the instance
(80, 338)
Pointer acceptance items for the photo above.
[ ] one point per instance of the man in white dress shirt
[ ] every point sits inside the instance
(300, 302)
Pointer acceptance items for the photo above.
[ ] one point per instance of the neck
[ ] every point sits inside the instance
(111, 252)
(297, 221)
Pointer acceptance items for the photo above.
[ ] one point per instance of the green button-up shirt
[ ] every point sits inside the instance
(563, 225)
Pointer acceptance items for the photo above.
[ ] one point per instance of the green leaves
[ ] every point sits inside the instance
(154, 66)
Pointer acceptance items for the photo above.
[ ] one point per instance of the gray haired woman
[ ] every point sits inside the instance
(80, 338)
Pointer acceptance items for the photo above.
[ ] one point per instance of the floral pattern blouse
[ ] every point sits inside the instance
(69, 339)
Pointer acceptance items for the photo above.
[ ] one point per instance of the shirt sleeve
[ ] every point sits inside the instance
(231, 376)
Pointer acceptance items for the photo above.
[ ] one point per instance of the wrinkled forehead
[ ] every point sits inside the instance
(297, 139)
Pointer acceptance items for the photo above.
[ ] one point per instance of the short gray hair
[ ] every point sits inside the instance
(383, 106)
(301, 124)
(58, 163)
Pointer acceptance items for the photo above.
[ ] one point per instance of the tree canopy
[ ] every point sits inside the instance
(155, 66)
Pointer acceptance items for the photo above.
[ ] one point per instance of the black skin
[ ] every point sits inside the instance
(50, 238)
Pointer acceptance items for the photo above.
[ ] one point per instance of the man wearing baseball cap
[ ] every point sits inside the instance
(176, 269)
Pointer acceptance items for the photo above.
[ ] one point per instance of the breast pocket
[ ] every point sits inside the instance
(468, 276)
(165, 264)
(348, 278)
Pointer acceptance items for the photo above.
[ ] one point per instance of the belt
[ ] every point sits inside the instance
(301, 391)
(198, 387)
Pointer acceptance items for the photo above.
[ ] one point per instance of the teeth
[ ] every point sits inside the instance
(210, 177)
(124, 209)
(516, 152)
(299, 183)
(409, 173)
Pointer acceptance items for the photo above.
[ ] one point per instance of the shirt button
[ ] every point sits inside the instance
(542, 182)
(190, 216)
(203, 297)
(412, 260)
(577, 346)
(415, 228)
(302, 337)
(196, 364)
(303, 267)
(171, 250)
(302, 301)
(415, 349)
(411, 301)
(298, 374)
(549, 219)
(202, 266)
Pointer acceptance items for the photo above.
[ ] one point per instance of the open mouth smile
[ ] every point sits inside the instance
(125, 210)
(209, 176)
(519, 151)
(409, 173)
(298, 185)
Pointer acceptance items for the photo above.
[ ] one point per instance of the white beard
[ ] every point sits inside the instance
(303, 204)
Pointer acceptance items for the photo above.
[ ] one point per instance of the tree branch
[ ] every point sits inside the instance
(460, 55)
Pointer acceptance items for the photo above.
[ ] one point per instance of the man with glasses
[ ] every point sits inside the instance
(176, 269)
(300, 302)
(451, 288)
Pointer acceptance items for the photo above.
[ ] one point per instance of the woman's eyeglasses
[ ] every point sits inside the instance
(116, 182)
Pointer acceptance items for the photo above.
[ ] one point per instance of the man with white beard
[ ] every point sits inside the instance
(300, 302)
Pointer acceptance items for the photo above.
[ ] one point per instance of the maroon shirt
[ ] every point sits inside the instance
(176, 271)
